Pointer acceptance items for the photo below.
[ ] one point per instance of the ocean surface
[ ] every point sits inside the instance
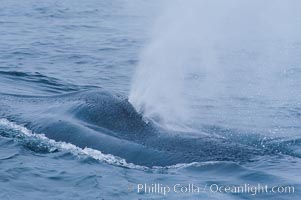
(68, 130)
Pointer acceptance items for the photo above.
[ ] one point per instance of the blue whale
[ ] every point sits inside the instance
(107, 122)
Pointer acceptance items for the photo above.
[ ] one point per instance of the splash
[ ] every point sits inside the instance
(20, 132)
(212, 49)
(40, 141)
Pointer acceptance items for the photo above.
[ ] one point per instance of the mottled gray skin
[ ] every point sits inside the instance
(109, 123)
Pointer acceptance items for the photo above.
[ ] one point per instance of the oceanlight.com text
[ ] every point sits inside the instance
(163, 189)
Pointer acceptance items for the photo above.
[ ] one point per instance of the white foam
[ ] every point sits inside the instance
(63, 146)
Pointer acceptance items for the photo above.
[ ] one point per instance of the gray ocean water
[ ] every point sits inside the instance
(67, 130)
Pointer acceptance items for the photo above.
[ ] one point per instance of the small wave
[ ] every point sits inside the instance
(193, 164)
(40, 82)
(21, 131)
